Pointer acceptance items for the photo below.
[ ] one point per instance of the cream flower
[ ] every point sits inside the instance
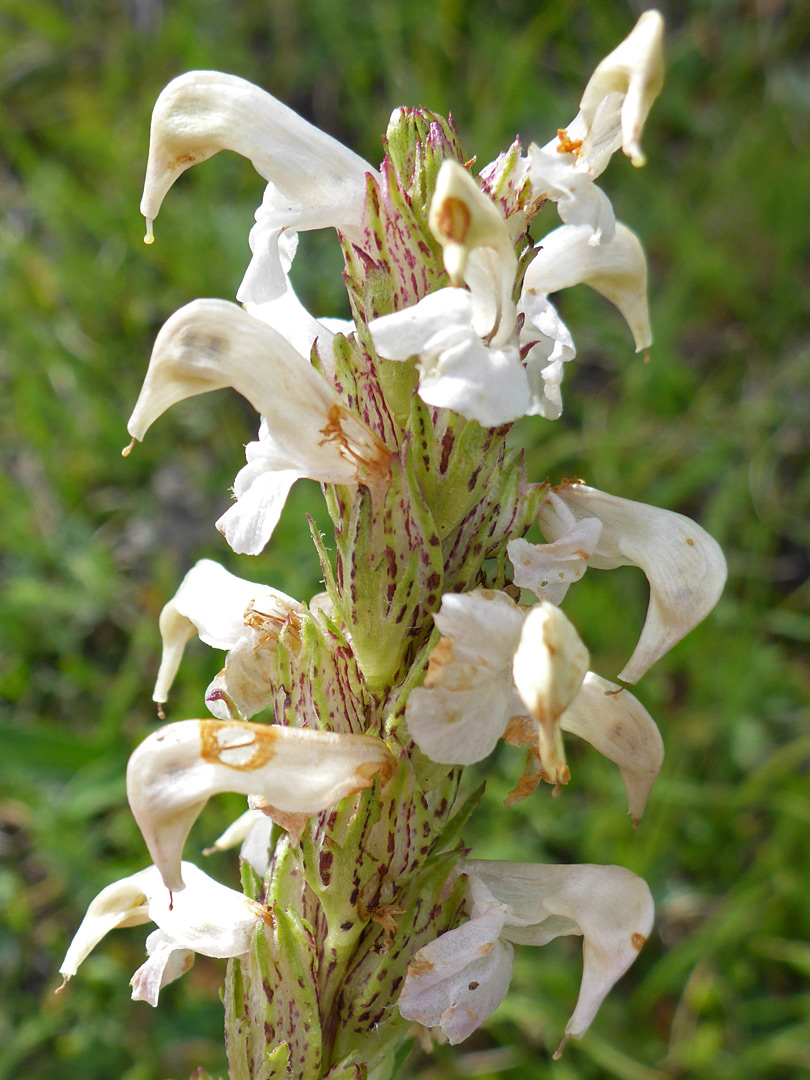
(467, 344)
(314, 182)
(241, 617)
(457, 981)
(206, 918)
(174, 772)
(306, 430)
(495, 661)
(685, 566)
(500, 671)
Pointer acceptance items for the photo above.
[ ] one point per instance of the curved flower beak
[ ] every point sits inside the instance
(618, 270)
(206, 918)
(316, 181)
(307, 431)
(685, 566)
(627, 81)
(616, 724)
(174, 772)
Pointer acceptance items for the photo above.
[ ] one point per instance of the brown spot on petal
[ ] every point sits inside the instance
(690, 541)
(420, 965)
(637, 940)
(183, 162)
(215, 742)
(473, 986)
(486, 948)
(453, 219)
(439, 659)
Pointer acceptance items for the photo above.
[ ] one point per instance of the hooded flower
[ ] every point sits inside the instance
(494, 661)
(612, 112)
(306, 430)
(313, 181)
(685, 566)
(503, 671)
(457, 981)
(466, 340)
(226, 612)
(205, 918)
(174, 772)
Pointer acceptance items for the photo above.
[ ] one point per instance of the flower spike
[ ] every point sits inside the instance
(174, 772)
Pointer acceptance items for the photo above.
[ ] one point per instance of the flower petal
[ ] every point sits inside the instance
(548, 668)
(465, 704)
(549, 569)
(611, 907)
(616, 724)
(174, 772)
(458, 980)
(633, 73)
(439, 320)
(479, 383)
(617, 270)
(165, 963)
(550, 347)
(123, 903)
(685, 566)
(315, 181)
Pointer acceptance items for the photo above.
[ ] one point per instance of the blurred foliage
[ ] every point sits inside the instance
(715, 425)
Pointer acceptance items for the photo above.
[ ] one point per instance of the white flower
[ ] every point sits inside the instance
(206, 918)
(617, 270)
(502, 671)
(174, 772)
(495, 661)
(685, 566)
(457, 981)
(226, 612)
(306, 430)
(466, 342)
(314, 182)
(622, 89)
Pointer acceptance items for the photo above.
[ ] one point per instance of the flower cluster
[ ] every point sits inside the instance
(419, 656)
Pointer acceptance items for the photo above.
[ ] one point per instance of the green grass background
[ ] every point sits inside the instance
(716, 426)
